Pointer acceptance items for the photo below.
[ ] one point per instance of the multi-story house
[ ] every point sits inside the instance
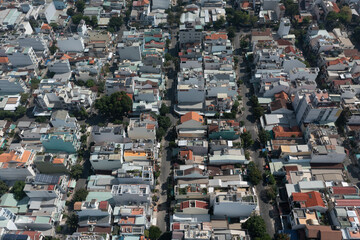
(129, 194)
(17, 165)
(111, 133)
(62, 141)
(315, 107)
(22, 57)
(143, 127)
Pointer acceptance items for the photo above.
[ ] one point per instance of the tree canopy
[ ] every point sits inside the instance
(80, 195)
(253, 173)
(18, 190)
(115, 24)
(154, 232)
(80, 6)
(264, 136)
(76, 171)
(114, 106)
(256, 227)
(3, 187)
(246, 139)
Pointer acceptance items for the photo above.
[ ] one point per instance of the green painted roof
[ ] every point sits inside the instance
(40, 219)
(100, 196)
(8, 200)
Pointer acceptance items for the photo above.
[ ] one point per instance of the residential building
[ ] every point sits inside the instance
(22, 57)
(192, 126)
(111, 133)
(143, 127)
(62, 119)
(17, 165)
(129, 194)
(315, 107)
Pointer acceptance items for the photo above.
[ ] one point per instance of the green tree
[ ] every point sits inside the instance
(24, 98)
(3, 187)
(231, 32)
(80, 195)
(70, 12)
(72, 221)
(253, 173)
(114, 106)
(53, 49)
(291, 8)
(271, 179)
(18, 190)
(164, 122)
(258, 112)
(76, 171)
(219, 23)
(154, 233)
(115, 24)
(164, 109)
(345, 15)
(94, 21)
(160, 133)
(264, 136)
(90, 83)
(256, 227)
(246, 139)
(80, 6)
(77, 18)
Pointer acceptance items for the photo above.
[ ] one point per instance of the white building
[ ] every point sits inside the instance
(61, 118)
(284, 27)
(143, 127)
(71, 44)
(125, 194)
(234, 204)
(315, 107)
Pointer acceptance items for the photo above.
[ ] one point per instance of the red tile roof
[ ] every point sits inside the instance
(309, 199)
(216, 36)
(4, 60)
(33, 235)
(103, 205)
(280, 131)
(185, 204)
(176, 226)
(347, 202)
(351, 190)
(201, 204)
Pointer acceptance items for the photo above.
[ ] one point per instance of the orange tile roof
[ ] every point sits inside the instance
(187, 153)
(134, 154)
(216, 36)
(337, 61)
(192, 116)
(58, 160)
(4, 60)
(309, 199)
(77, 206)
(280, 131)
(45, 26)
(336, 8)
(65, 56)
(245, 5)
(13, 157)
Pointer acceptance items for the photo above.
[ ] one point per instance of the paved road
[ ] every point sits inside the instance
(266, 210)
(165, 165)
